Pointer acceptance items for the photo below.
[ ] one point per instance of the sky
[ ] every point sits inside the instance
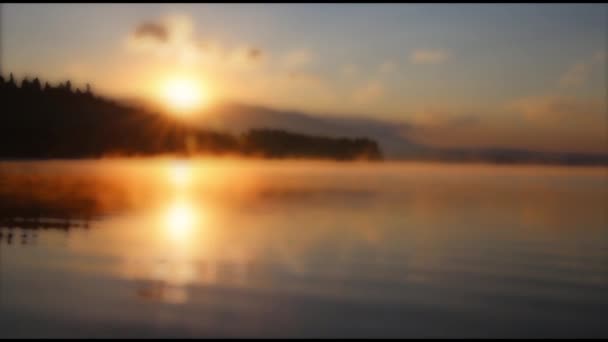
(511, 75)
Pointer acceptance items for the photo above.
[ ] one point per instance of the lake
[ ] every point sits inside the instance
(244, 248)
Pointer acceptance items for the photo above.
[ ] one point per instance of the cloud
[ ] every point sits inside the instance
(370, 92)
(564, 122)
(254, 53)
(575, 76)
(157, 31)
(168, 37)
(174, 37)
(426, 56)
(298, 58)
(349, 70)
(553, 108)
(600, 57)
(245, 57)
(578, 73)
(387, 67)
(444, 117)
(306, 78)
(544, 122)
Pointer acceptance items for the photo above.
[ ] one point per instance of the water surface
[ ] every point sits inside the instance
(228, 248)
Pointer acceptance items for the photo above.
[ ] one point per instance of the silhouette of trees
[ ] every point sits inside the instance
(25, 84)
(36, 84)
(282, 144)
(11, 82)
(56, 122)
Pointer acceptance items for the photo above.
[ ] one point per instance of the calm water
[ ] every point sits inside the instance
(208, 248)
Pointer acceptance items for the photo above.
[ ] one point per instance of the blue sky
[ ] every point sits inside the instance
(422, 62)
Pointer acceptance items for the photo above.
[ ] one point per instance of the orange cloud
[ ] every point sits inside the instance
(387, 67)
(173, 37)
(298, 58)
(559, 108)
(442, 116)
(370, 92)
(565, 123)
(577, 74)
(349, 70)
(245, 57)
(428, 56)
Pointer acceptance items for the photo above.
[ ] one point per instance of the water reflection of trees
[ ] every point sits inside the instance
(24, 230)
(22, 216)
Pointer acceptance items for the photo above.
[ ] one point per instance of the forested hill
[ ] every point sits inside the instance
(43, 121)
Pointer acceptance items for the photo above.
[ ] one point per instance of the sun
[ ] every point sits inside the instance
(184, 95)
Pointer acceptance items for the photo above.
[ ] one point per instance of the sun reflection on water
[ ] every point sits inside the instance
(181, 219)
(180, 174)
(180, 225)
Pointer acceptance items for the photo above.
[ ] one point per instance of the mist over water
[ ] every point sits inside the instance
(209, 171)
(250, 248)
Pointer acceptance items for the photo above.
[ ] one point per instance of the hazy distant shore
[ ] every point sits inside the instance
(58, 122)
(43, 122)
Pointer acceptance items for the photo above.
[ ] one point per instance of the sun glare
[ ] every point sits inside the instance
(180, 174)
(181, 219)
(184, 95)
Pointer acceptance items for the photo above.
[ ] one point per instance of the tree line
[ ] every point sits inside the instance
(45, 121)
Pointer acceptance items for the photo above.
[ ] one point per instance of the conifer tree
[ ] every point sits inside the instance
(36, 84)
(11, 81)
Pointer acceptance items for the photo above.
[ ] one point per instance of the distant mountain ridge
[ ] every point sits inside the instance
(57, 122)
(391, 137)
(238, 119)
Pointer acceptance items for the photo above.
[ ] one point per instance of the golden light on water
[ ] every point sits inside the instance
(181, 219)
(182, 225)
(180, 174)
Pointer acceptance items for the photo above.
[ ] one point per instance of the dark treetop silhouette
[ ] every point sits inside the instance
(60, 122)
(40, 122)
